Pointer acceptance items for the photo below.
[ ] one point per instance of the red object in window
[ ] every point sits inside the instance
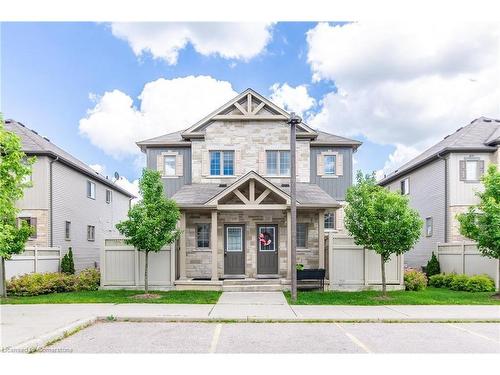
(265, 239)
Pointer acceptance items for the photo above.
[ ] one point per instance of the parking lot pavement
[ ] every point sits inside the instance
(128, 337)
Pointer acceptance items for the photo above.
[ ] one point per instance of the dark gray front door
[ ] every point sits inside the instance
(234, 249)
(267, 249)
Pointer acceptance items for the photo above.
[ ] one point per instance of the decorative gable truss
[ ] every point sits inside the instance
(251, 192)
(247, 106)
(179, 163)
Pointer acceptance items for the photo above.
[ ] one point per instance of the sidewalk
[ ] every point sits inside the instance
(20, 323)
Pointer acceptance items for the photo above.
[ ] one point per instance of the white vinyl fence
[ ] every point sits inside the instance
(34, 259)
(353, 268)
(464, 258)
(122, 266)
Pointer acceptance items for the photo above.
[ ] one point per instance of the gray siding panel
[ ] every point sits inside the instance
(427, 196)
(171, 185)
(336, 187)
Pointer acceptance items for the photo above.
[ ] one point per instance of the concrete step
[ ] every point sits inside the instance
(249, 281)
(252, 288)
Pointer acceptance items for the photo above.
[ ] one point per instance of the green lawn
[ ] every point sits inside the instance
(118, 296)
(430, 296)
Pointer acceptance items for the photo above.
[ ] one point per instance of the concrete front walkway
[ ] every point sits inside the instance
(21, 323)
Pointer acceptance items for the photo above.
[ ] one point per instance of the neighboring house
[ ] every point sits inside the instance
(442, 182)
(230, 175)
(69, 204)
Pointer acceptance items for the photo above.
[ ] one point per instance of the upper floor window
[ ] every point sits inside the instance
(169, 165)
(405, 186)
(31, 221)
(203, 236)
(90, 190)
(471, 169)
(109, 196)
(222, 163)
(278, 163)
(428, 227)
(330, 220)
(330, 162)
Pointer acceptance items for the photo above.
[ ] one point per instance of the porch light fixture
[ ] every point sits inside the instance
(293, 122)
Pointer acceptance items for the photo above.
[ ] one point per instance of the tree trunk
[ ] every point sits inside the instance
(4, 280)
(384, 291)
(146, 287)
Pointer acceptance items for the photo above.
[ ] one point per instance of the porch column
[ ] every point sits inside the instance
(215, 243)
(182, 247)
(321, 238)
(288, 244)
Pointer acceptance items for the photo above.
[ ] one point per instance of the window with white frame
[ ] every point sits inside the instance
(330, 220)
(278, 162)
(302, 235)
(267, 238)
(330, 164)
(428, 227)
(90, 233)
(203, 236)
(90, 190)
(169, 165)
(31, 221)
(109, 196)
(405, 186)
(471, 169)
(222, 163)
(67, 230)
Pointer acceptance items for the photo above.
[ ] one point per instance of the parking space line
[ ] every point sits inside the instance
(473, 333)
(354, 339)
(215, 338)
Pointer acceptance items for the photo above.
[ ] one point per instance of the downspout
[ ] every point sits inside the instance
(51, 226)
(445, 196)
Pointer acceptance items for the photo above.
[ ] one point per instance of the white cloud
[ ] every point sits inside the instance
(405, 84)
(399, 156)
(101, 169)
(295, 99)
(131, 186)
(164, 40)
(115, 123)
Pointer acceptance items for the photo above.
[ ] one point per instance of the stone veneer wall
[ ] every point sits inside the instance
(198, 262)
(42, 227)
(454, 225)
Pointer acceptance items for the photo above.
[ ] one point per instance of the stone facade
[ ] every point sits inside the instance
(42, 227)
(454, 225)
(250, 139)
(198, 261)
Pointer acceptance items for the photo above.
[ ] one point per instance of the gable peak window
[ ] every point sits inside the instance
(278, 162)
(405, 186)
(330, 163)
(169, 165)
(222, 163)
(471, 169)
(90, 190)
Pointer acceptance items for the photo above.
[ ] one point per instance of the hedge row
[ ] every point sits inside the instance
(477, 283)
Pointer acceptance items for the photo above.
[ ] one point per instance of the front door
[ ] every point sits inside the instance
(234, 249)
(267, 249)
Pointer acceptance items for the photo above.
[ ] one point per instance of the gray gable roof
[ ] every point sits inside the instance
(479, 135)
(198, 194)
(35, 144)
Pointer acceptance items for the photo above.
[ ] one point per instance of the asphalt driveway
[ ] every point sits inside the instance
(128, 337)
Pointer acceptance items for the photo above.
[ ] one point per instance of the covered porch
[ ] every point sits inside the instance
(239, 236)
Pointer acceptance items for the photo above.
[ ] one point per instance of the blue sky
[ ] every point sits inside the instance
(49, 70)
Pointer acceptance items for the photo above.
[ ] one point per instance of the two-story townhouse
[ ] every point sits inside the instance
(442, 182)
(68, 204)
(230, 175)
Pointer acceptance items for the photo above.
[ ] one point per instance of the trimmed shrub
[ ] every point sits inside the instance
(88, 279)
(437, 281)
(448, 279)
(459, 282)
(415, 280)
(67, 264)
(34, 284)
(480, 283)
(432, 266)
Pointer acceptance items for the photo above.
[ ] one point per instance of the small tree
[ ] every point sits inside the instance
(152, 222)
(380, 220)
(432, 267)
(14, 167)
(481, 222)
(67, 263)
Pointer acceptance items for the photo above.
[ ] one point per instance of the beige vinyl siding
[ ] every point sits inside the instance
(427, 196)
(464, 192)
(37, 196)
(70, 203)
